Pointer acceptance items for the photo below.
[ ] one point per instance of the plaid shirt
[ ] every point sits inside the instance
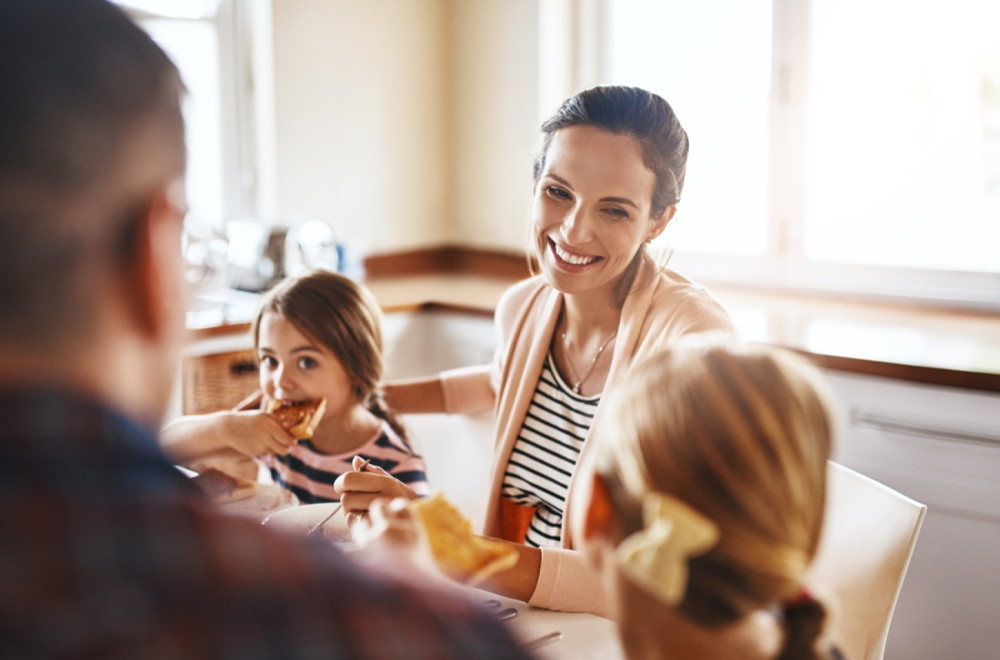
(106, 551)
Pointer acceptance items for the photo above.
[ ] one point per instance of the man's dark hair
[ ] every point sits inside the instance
(90, 109)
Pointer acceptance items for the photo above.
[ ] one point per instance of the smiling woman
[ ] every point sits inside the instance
(607, 180)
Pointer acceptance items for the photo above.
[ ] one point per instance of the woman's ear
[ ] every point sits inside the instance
(658, 225)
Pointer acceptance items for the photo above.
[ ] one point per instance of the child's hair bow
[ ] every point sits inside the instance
(656, 557)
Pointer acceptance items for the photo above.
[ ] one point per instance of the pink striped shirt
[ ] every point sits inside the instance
(310, 474)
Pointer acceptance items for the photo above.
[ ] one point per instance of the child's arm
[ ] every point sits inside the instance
(357, 489)
(250, 432)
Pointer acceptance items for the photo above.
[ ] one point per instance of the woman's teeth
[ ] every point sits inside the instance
(572, 258)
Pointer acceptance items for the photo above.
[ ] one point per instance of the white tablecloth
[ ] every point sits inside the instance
(583, 635)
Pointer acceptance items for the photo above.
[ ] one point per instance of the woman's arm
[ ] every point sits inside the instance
(415, 395)
(466, 390)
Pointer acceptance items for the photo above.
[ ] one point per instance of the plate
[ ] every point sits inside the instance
(300, 519)
(259, 501)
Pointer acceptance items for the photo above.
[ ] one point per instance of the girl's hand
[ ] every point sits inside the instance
(357, 489)
(254, 433)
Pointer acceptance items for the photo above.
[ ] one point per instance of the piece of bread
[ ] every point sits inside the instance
(461, 554)
(299, 419)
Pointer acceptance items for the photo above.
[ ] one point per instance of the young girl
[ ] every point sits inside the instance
(706, 503)
(316, 336)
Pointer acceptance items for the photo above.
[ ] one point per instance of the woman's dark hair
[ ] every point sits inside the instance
(342, 315)
(639, 114)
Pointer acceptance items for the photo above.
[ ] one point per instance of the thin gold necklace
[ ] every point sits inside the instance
(593, 363)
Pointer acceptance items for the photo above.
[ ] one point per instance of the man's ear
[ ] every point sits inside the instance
(156, 284)
(660, 224)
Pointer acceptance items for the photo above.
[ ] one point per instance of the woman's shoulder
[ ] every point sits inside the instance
(685, 305)
(672, 287)
(517, 296)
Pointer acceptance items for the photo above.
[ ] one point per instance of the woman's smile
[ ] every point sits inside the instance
(567, 257)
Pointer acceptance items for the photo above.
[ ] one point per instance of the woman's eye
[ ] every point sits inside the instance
(556, 191)
(616, 212)
(307, 363)
(268, 362)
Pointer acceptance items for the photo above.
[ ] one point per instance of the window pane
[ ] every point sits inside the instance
(903, 165)
(193, 46)
(712, 63)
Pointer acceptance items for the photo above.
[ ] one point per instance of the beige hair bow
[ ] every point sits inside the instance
(656, 557)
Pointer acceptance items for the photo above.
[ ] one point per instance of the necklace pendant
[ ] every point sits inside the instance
(576, 388)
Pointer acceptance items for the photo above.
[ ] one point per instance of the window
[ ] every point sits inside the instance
(206, 40)
(843, 145)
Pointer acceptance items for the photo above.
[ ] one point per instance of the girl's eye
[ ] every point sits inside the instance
(307, 363)
(268, 362)
(557, 192)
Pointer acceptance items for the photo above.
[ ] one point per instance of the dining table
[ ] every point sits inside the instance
(552, 635)
(548, 634)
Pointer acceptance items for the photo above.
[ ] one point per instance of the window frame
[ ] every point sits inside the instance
(784, 267)
(237, 34)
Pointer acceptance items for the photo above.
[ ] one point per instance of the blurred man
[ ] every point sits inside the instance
(106, 550)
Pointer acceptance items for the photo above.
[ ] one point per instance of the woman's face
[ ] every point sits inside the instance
(591, 209)
(293, 368)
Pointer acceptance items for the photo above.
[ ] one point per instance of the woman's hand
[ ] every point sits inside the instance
(358, 489)
(255, 433)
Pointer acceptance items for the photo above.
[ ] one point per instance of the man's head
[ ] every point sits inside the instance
(91, 156)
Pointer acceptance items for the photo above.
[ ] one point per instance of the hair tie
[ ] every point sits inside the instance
(656, 557)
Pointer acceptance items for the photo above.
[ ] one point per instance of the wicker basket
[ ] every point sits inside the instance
(218, 382)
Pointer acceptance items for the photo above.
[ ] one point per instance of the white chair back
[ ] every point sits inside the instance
(868, 537)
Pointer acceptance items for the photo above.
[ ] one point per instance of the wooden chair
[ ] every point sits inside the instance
(868, 538)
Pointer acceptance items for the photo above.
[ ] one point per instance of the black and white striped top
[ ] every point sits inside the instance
(546, 452)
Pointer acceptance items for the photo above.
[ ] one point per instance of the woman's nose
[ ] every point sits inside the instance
(575, 227)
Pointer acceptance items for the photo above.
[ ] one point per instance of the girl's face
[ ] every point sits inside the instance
(591, 209)
(294, 368)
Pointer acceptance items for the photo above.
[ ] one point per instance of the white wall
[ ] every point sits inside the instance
(407, 123)
(494, 95)
(360, 133)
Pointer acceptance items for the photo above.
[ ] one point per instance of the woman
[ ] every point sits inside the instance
(607, 182)
(706, 504)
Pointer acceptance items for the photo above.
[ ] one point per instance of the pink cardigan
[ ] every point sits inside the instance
(661, 307)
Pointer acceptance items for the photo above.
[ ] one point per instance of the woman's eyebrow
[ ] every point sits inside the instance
(614, 200)
(621, 200)
(559, 179)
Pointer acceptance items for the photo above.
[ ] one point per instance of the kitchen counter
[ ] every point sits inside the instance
(926, 345)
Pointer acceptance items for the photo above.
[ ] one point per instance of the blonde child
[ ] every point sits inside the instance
(706, 503)
(315, 336)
